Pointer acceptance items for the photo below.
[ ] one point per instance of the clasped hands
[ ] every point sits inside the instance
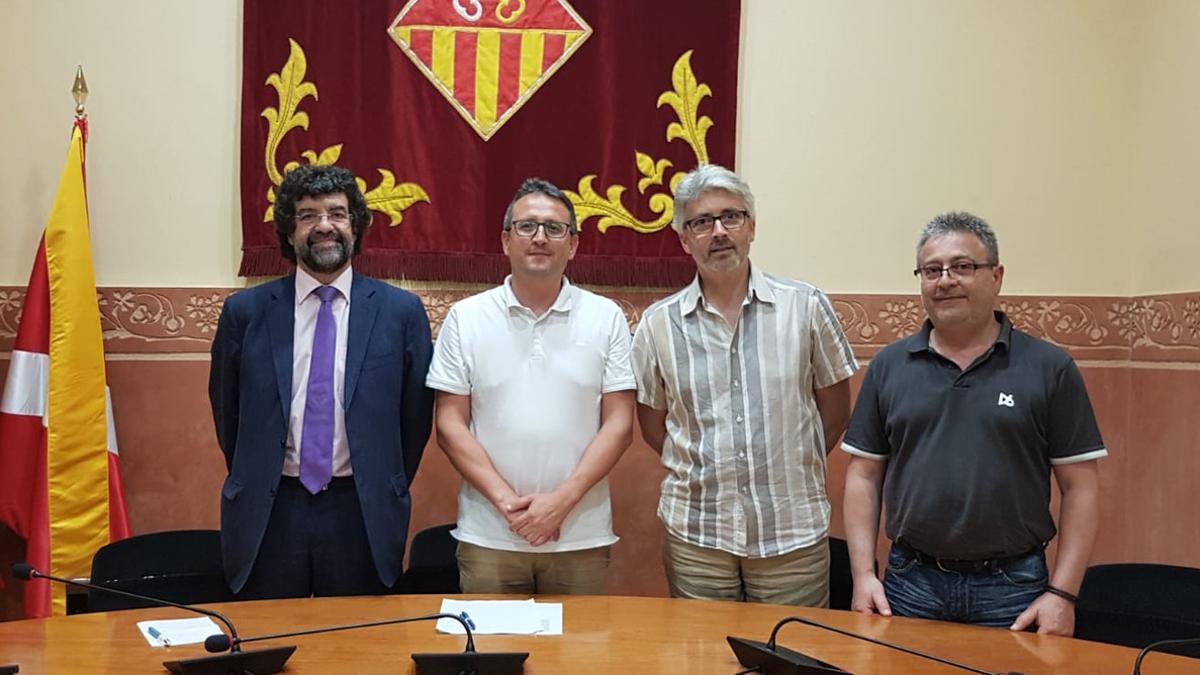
(537, 517)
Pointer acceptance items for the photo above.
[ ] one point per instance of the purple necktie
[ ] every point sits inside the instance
(316, 436)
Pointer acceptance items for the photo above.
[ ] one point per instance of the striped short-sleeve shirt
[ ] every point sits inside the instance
(744, 449)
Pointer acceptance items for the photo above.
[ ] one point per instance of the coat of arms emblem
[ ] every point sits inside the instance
(488, 57)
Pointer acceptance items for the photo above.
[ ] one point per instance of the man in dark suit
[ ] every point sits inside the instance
(318, 394)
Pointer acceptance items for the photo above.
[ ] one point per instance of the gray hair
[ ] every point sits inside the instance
(702, 179)
(961, 221)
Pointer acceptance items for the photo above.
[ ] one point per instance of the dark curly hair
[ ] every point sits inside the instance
(312, 180)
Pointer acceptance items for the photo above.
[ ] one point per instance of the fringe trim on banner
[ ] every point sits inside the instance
(491, 268)
(263, 262)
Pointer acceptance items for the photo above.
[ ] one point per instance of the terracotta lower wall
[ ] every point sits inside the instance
(1140, 358)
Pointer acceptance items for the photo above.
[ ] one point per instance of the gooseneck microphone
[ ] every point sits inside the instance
(467, 662)
(26, 572)
(771, 659)
(1161, 645)
(221, 643)
(260, 662)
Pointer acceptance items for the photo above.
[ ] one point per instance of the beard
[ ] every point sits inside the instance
(723, 255)
(324, 259)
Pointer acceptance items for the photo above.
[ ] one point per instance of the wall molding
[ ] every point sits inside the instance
(1152, 328)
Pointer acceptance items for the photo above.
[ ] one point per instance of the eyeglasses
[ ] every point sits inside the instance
(963, 269)
(730, 219)
(528, 228)
(307, 218)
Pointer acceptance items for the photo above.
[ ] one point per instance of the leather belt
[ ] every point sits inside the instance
(960, 566)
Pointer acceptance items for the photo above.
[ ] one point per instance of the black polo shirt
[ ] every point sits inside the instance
(969, 451)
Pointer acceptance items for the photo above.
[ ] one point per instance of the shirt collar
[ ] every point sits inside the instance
(758, 287)
(306, 284)
(921, 339)
(561, 304)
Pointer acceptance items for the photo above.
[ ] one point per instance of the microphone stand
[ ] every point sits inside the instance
(220, 643)
(770, 659)
(272, 660)
(258, 662)
(1158, 646)
(467, 662)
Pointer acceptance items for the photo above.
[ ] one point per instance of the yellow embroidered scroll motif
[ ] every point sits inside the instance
(388, 197)
(684, 98)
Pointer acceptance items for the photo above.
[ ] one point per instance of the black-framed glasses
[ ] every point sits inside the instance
(337, 217)
(730, 219)
(963, 269)
(554, 229)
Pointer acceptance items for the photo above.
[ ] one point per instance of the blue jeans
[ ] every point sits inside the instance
(992, 597)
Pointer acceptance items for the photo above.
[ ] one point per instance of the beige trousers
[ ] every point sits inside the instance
(489, 570)
(800, 577)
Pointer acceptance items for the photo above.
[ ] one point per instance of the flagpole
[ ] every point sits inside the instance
(79, 90)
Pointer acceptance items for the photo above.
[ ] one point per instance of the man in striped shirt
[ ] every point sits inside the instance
(743, 388)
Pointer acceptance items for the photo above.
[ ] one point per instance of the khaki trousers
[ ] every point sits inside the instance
(800, 577)
(489, 570)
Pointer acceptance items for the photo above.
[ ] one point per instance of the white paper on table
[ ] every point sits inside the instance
(179, 631)
(550, 617)
(509, 617)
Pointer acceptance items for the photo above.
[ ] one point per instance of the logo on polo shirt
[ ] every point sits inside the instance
(1006, 400)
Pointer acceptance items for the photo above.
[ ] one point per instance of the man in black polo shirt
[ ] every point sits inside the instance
(959, 427)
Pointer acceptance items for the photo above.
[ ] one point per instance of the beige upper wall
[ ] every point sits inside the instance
(162, 156)
(1164, 219)
(858, 121)
(862, 120)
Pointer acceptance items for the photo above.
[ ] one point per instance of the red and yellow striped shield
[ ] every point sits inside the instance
(488, 57)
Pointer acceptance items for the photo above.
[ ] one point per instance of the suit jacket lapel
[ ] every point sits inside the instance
(281, 321)
(364, 306)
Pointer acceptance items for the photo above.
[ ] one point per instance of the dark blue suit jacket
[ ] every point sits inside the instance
(388, 411)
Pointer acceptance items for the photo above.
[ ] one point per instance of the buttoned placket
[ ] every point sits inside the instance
(738, 462)
(536, 327)
(962, 376)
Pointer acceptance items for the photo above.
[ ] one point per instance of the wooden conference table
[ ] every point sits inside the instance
(601, 634)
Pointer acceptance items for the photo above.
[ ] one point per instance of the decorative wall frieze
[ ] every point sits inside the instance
(1143, 328)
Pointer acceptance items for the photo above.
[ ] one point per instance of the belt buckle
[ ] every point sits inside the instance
(963, 566)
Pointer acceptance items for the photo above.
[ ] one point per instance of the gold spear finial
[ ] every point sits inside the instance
(79, 90)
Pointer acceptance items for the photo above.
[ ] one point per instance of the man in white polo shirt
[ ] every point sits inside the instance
(534, 408)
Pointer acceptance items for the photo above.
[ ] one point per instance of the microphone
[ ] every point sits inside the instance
(1161, 645)
(467, 662)
(770, 659)
(258, 662)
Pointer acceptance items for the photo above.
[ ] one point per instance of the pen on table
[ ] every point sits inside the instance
(158, 636)
(468, 620)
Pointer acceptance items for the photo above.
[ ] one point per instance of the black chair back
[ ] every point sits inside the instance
(1134, 604)
(841, 580)
(432, 563)
(841, 583)
(182, 566)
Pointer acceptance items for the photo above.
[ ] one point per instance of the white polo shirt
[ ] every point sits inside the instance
(535, 385)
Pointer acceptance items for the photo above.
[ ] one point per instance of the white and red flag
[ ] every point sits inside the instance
(60, 485)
